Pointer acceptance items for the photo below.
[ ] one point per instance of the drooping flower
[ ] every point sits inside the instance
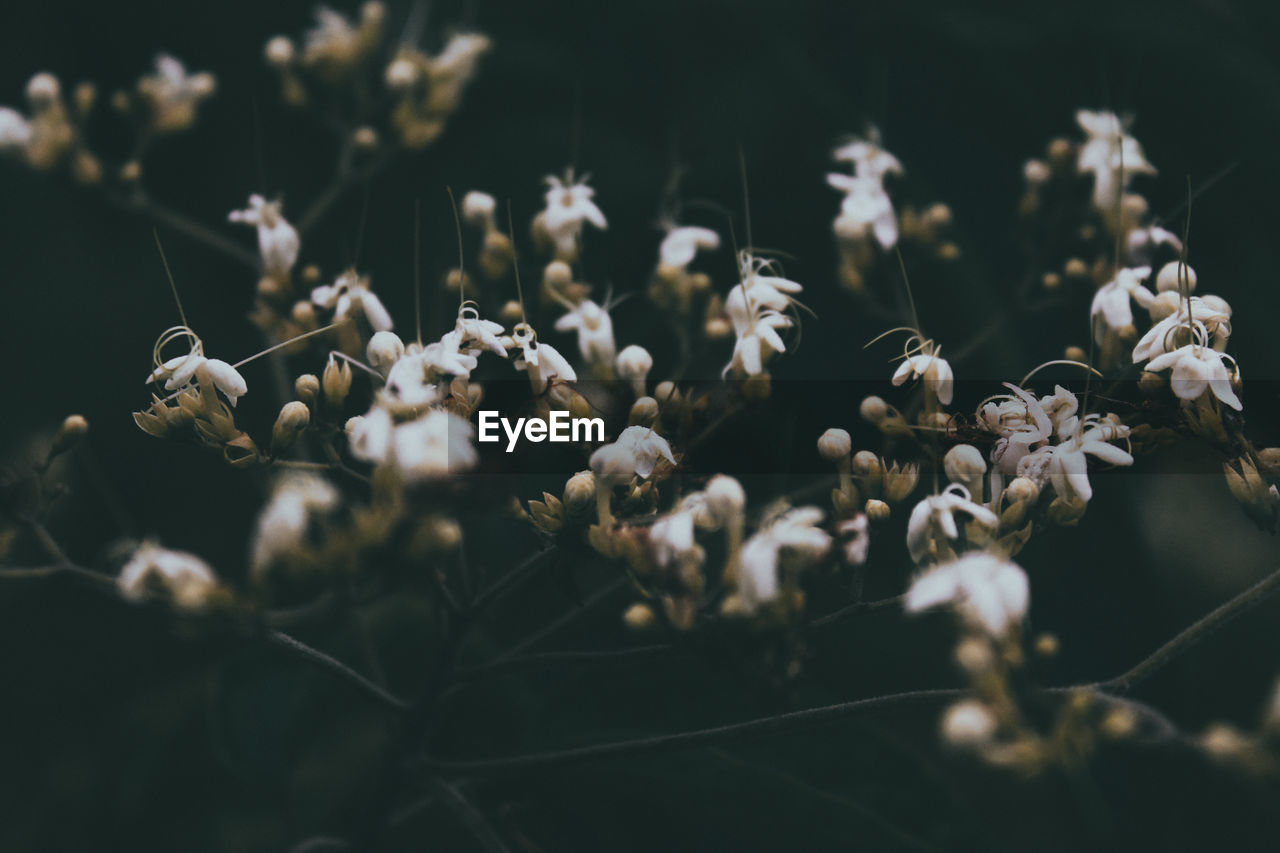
(350, 293)
(186, 577)
(436, 445)
(278, 242)
(595, 332)
(683, 242)
(1111, 311)
(178, 372)
(635, 453)
(932, 368)
(173, 95)
(987, 591)
(793, 533)
(1108, 151)
(569, 204)
(1067, 466)
(936, 515)
(1196, 369)
(284, 521)
(865, 211)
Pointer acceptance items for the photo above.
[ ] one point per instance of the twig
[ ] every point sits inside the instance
(143, 205)
(507, 581)
(573, 658)
(332, 665)
(469, 816)
(1197, 631)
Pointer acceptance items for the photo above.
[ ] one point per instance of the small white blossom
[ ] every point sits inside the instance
(568, 205)
(278, 242)
(635, 453)
(865, 211)
(184, 576)
(435, 445)
(1068, 468)
(283, 523)
(15, 132)
(936, 514)
(1107, 150)
(595, 332)
(929, 366)
(177, 373)
(1111, 311)
(987, 591)
(795, 532)
(1208, 319)
(682, 243)
(672, 538)
(1196, 369)
(478, 209)
(542, 362)
(173, 94)
(868, 158)
(350, 293)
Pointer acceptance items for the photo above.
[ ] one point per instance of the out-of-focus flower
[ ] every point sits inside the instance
(1107, 151)
(173, 95)
(987, 591)
(278, 241)
(185, 577)
(635, 453)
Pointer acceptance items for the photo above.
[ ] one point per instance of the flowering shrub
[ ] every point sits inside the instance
(384, 504)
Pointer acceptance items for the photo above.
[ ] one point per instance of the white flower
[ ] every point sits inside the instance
(634, 453)
(633, 365)
(478, 209)
(185, 576)
(595, 332)
(350, 292)
(968, 723)
(795, 533)
(1197, 369)
(855, 533)
(1021, 422)
(173, 94)
(283, 523)
(333, 40)
(447, 356)
(369, 435)
(1208, 317)
(1107, 150)
(460, 56)
(15, 132)
(987, 591)
(478, 333)
(278, 242)
(868, 158)
(936, 514)
(435, 445)
(1143, 243)
(568, 206)
(1068, 468)
(682, 243)
(934, 370)
(542, 362)
(1111, 310)
(672, 538)
(178, 372)
(756, 344)
(866, 210)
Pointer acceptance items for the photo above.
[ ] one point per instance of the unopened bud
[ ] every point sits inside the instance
(639, 617)
(877, 511)
(1172, 275)
(580, 494)
(307, 388)
(292, 421)
(279, 51)
(835, 445)
(73, 429)
(644, 412)
(336, 382)
(384, 350)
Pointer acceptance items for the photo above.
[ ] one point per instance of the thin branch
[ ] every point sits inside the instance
(143, 205)
(699, 737)
(469, 816)
(346, 179)
(41, 572)
(572, 658)
(301, 650)
(1197, 631)
(507, 581)
(857, 607)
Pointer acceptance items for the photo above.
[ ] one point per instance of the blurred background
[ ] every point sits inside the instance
(125, 731)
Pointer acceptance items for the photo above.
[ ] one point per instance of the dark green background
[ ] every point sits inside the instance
(122, 732)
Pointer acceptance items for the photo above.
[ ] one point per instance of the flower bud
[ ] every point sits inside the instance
(725, 497)
(307, 388)
(43, 89)
(291, 423)
(279, 51)
(1164, 305)
(336, 382)
(965, 464)
(835, 445)
(874, 409)
(437, 534)
(968, 723)
(1171, 276)
(384, 350)
(580, 494)
(877, 511)
(644, 412)
(633, 365)
(866, 468)
(73, 429)
(639, 617)
(900, 481)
